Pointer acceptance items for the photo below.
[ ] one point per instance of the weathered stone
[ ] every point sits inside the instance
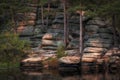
(94, 50)
(49, 48)
(91, 36)
(27, 31)
(73, 44)
(99, 40)
(70, 59)
(48, 36)
(92, 28)
(55, 31)
(71, 52)
(57, 26)
(57, 21)
(48, 43)
(89, 55)
(98, 45)
(51, 43)
(106, 36)
(75, 21)
(30, 22)
(88, 60)
(105, 30)
(32, 59)
(59, 16)
(37, 31)
(97, 22)
(39, 22)
(100, 35)
(31, 14)
(53, 36)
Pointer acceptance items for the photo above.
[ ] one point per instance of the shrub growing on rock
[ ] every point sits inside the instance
(12, 49)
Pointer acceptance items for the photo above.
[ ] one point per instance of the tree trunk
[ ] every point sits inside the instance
(42, 15)
(14, 21)
(114, 29)
(65, 24)
(81, 37)
(48, 13)
(37, 15)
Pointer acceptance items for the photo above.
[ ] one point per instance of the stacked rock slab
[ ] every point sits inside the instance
(54, 36)
(73, 31)
(98, 38)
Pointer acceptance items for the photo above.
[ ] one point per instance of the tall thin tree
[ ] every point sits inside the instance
(65, 23)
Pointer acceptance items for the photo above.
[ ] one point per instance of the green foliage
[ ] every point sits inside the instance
(11, 48)
(9, 10)
(96, 7)
(60, 51)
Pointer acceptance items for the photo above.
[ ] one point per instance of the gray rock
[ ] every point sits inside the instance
(53, 36)
(97, 45)
(27, 31)
(58, 21)
(73, 44)
(92, 28)
(55, 31)
(88, 35)
(39, 36)
(106, 35)
(37, 30)
(49, 48)
(59, 16)
(99, 40)
(94, 50)
(97, 21)
(105, 30)
(100, 35)
(39, 22)
(57, 26)
(51, 43)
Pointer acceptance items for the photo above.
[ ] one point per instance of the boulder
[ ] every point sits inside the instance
(94, 50)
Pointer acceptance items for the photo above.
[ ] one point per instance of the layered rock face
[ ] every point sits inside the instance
(98, 37)
(97, 34)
